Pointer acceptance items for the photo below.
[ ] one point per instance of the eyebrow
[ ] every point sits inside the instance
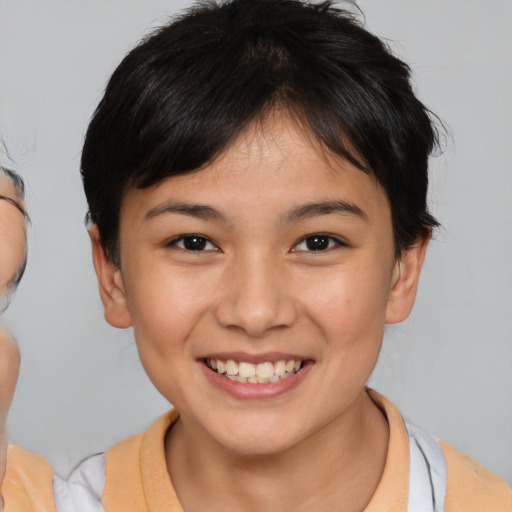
(199, 211)
(15, 203)
(301, 212)
(309, 210)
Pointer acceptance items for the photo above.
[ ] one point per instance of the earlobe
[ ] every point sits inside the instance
(110, 284)
(404, 284)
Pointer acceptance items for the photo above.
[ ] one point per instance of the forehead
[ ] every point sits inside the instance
(274, 164)
(7, 186)
(11, 195)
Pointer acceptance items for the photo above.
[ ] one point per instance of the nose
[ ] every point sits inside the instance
(256, 298)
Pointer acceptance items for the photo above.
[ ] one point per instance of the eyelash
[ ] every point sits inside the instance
(332, 242)
(184, 238)
(202, 242)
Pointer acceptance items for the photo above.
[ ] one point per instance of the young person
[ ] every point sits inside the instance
(256, 175)
(13, 257)
(13, 253)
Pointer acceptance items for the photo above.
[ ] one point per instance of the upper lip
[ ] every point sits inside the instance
(255, 358)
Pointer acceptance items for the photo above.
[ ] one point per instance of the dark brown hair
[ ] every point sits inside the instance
(186, 91)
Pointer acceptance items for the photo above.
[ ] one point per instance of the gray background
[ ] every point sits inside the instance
(448, 367)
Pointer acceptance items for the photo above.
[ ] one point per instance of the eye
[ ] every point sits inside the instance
(318, 242)
(192, 243)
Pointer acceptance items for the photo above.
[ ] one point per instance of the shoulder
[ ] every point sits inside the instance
(136, 470)
(472, 487)
(84, 490)
(447, 475)
(27, 483)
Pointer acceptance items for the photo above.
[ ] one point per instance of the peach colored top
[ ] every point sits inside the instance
(27, 485)
(136, 477)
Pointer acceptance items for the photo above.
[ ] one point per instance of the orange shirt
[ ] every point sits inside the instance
(136, 477)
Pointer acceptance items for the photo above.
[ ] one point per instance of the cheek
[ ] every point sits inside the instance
(166, 306)
(163, 316)
(9, 366)
(12, 247)
(349, 306)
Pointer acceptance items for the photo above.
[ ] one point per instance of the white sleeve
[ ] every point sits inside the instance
(83, 490)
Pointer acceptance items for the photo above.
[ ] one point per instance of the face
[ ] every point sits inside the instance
(12, 251)
(12, 235)
(273, 263)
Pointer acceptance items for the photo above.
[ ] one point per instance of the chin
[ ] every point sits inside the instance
(257, 439)
(258, 448)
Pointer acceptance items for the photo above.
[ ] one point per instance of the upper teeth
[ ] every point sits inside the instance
(255, 373)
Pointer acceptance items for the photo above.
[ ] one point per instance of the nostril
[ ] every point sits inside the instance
(256, 315)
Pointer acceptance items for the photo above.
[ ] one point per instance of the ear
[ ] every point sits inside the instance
(110, 284)
(406, 274)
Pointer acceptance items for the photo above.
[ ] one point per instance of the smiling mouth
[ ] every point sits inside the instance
(249, 373)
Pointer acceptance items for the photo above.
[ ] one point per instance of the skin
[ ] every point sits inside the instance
(9, 366)
(12, 251)
(12, 234)
(256, 288)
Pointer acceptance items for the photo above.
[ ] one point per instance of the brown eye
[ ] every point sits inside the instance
(192, 243)
(317, 242)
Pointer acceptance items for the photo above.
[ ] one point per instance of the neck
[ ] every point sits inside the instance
(336, 468)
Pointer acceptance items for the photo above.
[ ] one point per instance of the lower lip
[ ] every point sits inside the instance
(247, 391)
